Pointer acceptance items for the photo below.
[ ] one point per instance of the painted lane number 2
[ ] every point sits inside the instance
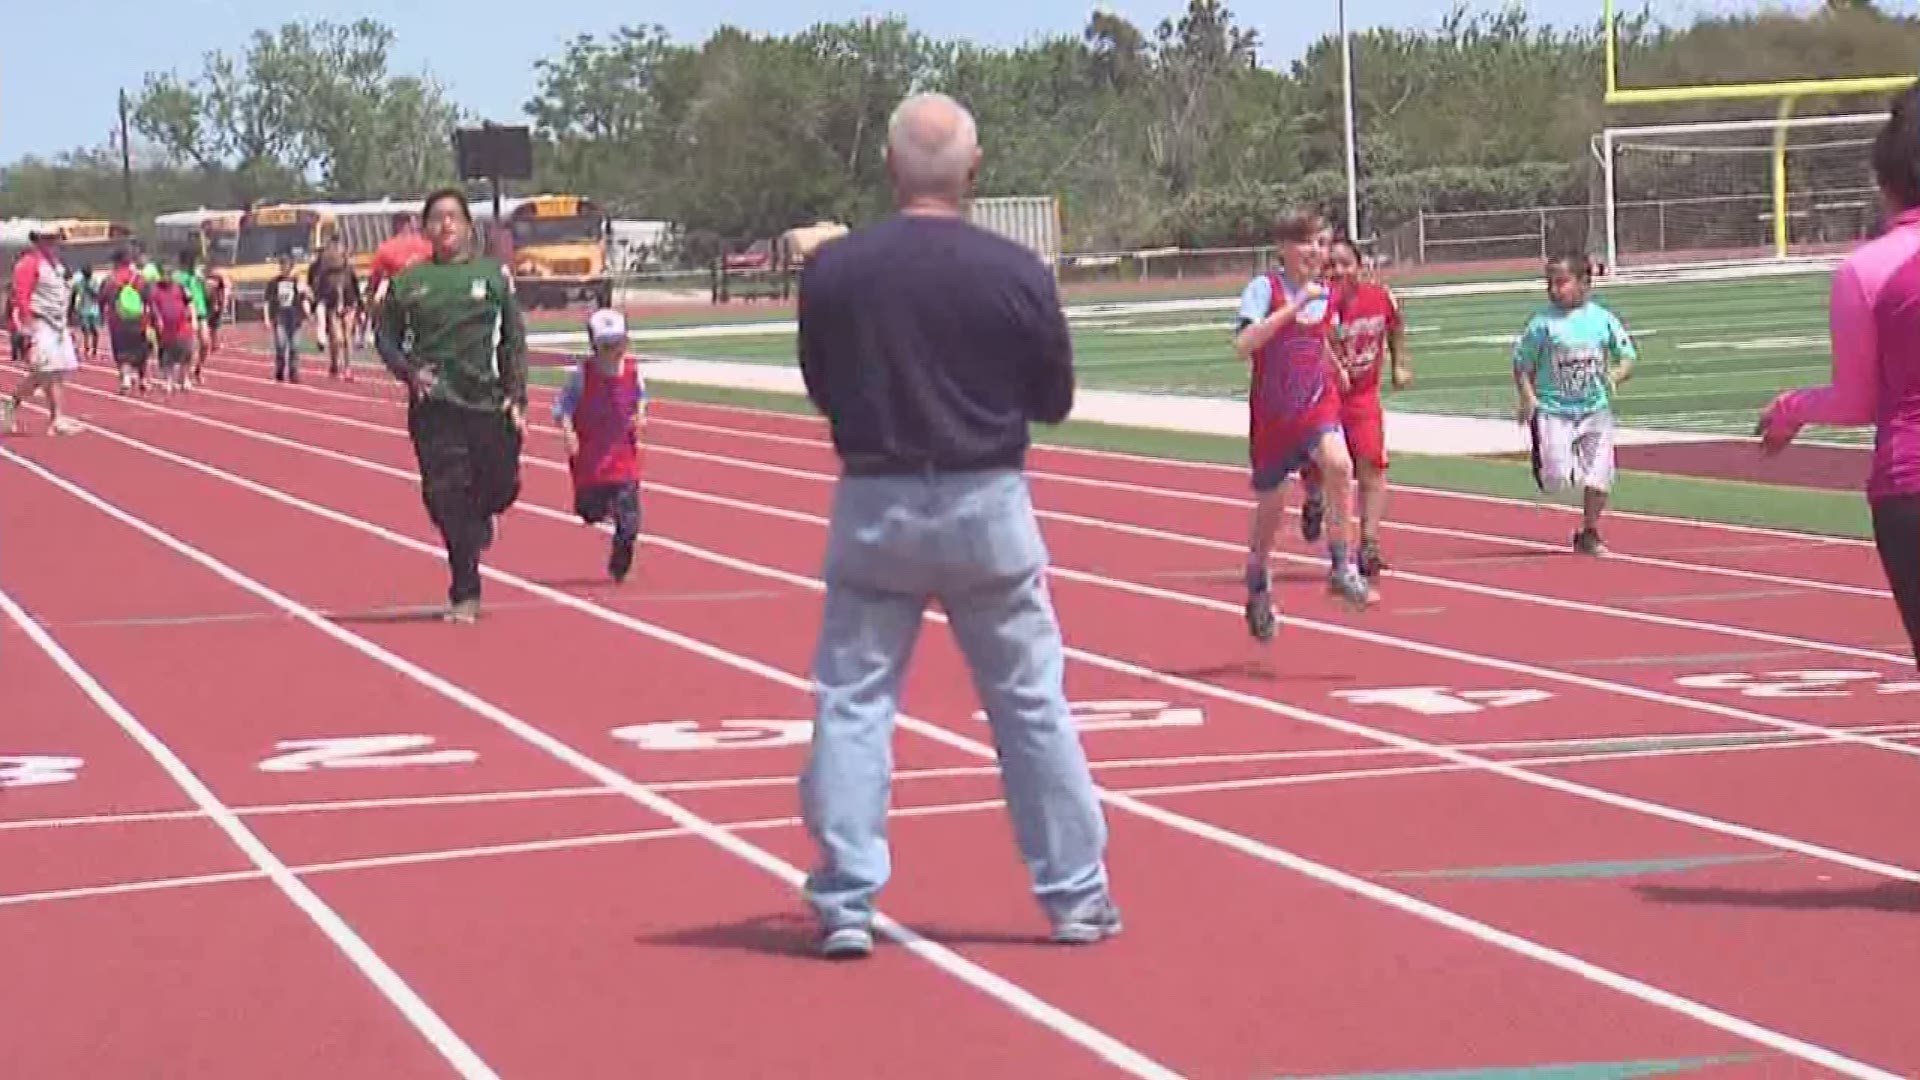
(361, 752)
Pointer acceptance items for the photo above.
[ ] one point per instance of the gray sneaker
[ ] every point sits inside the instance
(1096, 922)
(847, 943)
(1352, 589)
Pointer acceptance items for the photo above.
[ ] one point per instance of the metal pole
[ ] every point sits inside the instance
(1613, 209)
(1353, 155)
(126, 158)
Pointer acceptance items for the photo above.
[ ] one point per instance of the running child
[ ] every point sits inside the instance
(285, 312)
(188, 275)
(1566, 365)
(86, 309)
(123, 296)
(1367, 328)
(1294, 412)
(601, 412)
(174, 325)
(217, 288)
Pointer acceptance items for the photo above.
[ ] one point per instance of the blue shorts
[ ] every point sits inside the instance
(1271, 474)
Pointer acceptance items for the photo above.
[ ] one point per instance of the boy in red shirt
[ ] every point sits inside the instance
(601, 411)
(1293, 410)
(1367, 328)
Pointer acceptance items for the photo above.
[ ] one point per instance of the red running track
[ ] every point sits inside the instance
(1315, 884)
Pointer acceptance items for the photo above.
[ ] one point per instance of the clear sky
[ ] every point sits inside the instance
(53, 99)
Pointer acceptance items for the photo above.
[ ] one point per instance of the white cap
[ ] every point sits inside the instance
(606, 326)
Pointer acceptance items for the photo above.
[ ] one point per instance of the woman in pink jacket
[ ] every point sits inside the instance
(1874, 314)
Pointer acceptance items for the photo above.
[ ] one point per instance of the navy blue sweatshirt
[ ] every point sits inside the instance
(930, 344)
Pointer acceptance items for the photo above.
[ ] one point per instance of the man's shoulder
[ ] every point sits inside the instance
(903, 236)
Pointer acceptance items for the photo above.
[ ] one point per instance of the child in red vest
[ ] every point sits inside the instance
(170, 316)
(601, 412)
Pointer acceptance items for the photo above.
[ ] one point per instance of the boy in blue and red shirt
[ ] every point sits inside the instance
(601, 411)
(1294, 411)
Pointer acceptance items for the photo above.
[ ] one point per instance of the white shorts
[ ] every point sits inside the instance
(53, 351)
(1573, 451)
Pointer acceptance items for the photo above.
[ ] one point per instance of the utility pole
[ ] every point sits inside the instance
(1353, 150)
(126, 158)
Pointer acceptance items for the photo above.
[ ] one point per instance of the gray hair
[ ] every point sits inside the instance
(931, 144)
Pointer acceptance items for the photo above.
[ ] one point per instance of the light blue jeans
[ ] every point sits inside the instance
(970, 541)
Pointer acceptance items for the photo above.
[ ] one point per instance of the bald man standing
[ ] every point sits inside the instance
(930, 344)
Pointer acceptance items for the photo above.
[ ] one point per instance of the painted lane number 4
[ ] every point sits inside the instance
(33, 770)
(1442, 700)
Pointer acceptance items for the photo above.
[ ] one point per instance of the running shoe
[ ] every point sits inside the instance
(1313, 517)
(1097, 922)
(1370, 561)
(1260, 618)
(847, 943)
(1588, 542)
(1352, 589)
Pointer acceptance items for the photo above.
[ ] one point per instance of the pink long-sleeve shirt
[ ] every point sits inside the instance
(1874, 323)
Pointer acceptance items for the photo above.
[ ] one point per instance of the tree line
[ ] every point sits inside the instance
(1173, 134)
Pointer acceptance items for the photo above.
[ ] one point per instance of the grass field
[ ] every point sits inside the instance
(1712, 353)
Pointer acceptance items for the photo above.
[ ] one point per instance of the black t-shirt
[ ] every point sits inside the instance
(931, 344)
(286, 300)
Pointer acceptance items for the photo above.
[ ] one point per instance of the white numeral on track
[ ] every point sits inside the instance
(725, 735)
(32, 770)
(362, 752)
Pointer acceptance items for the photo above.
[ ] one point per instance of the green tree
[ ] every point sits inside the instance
(312, 100)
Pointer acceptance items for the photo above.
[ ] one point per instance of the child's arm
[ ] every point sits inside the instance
(1397, 345)
(1526, 359)
(1625, 354)
(565, 403)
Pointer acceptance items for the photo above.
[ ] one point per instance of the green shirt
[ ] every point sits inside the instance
(196, 290)
(459, 320)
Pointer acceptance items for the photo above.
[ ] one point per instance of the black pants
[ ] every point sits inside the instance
(621, 503)
(1896, 533)
(469, 471)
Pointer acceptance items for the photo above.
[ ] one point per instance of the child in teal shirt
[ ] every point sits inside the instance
(1569, 359)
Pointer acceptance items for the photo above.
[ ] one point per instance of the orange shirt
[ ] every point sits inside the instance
(396, 254)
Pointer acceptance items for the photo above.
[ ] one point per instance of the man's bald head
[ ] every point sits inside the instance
(933, 149)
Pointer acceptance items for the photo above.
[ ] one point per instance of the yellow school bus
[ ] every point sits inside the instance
(85, 241)
(300, 230)
(559, 247)
(212, 236)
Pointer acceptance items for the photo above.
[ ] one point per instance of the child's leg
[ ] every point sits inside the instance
(1335, 467)
(1336, 484)
(1372, 479)
(1270, 505)
(1365, 423)
(1313, 503)
(1593, 453)
(626, 530)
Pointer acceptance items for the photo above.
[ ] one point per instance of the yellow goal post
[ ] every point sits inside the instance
(1748, 91)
